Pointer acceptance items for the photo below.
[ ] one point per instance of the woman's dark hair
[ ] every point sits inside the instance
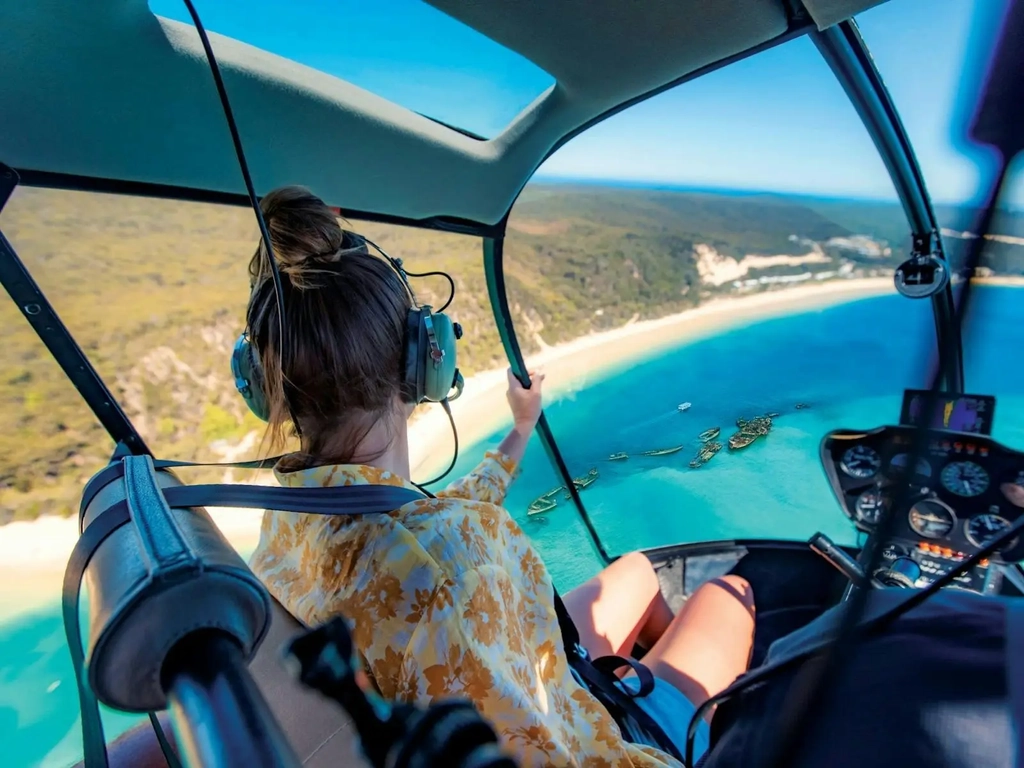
(344, 321)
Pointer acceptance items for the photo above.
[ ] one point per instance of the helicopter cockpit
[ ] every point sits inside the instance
(700, 336)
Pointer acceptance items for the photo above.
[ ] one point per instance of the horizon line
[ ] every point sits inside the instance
(680, 186)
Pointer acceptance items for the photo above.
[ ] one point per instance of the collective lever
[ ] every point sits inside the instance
(849, 567)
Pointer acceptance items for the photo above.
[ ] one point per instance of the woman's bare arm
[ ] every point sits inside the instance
(525, 405)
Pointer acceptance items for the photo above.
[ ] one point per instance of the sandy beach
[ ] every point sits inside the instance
(33, 555)
(574, 365)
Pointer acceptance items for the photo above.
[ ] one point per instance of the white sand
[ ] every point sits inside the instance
(33, 555)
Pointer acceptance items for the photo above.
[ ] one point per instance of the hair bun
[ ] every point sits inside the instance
(304, 232)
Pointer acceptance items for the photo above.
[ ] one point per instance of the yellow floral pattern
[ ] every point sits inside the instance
(448, 598)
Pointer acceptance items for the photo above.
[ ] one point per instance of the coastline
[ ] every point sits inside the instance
(573, 365)
(33, 555)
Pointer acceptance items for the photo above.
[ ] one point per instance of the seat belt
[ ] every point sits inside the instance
(599, 677)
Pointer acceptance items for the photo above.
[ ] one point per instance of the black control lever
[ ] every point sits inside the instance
(841, 561)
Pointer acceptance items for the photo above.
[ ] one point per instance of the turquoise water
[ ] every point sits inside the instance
(849, 362)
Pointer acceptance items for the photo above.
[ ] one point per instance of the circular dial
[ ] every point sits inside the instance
(860, 461)
(869, 507)
(964, 478)
(981, 529)
(921, 466)
(931, 519)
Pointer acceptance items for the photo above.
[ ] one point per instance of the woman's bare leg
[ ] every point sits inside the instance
(709, 644)
(618, 607)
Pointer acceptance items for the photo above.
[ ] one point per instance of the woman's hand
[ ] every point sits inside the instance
(525, 403)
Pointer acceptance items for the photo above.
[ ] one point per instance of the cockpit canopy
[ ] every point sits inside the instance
(106, 90)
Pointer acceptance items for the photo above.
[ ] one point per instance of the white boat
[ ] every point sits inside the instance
(684, 407)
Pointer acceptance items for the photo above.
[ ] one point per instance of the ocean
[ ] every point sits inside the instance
(849, 363)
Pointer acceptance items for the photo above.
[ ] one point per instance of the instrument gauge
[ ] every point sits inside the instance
(860, 461)
(921, 466)
(869, 507)
(964, 478)
(931, 519)
(981, 529)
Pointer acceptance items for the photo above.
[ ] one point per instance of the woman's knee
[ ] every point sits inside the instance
(638, 569)
(738, 587)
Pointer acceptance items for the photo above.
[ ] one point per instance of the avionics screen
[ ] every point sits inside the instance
(955, 412)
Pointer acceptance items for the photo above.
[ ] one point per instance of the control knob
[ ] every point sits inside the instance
(902, 572)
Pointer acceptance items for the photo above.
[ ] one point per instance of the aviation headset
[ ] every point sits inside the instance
(429, 369)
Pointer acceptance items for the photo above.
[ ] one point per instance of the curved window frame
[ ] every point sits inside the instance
(846, 54)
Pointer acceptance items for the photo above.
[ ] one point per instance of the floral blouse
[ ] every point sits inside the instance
(448, 599)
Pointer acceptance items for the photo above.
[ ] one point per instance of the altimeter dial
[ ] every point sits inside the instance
(964, 478)
(981, 529)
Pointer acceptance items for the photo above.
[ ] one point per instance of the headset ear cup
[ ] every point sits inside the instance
(412, 367)
(248, 373)
(258, 402)
(439, 375)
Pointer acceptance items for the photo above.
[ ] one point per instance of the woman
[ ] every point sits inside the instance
(447, 595)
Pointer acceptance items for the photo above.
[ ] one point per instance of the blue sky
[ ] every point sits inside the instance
(776, 121)
(780, 121)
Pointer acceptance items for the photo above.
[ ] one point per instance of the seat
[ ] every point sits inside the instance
(319, 730)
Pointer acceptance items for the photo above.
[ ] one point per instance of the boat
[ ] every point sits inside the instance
(618, 457)
(684, 407)
(541, 505)
(584, 482)
(705, 454)
(741, 440)
(709, 450)
(662, 451)
(757, 426)
(709, 434)
(774, 415)
(403, 167)
(545, 502)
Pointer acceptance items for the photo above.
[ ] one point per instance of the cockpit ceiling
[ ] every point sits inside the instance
(105, 89)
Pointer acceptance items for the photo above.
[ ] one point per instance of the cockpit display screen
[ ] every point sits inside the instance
(955, 412)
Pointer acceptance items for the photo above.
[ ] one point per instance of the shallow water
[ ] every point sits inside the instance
(850, 363)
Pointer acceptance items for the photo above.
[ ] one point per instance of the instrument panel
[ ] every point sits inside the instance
(965, 490)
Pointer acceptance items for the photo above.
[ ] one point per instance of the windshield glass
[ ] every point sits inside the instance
(403, 50)
(926, 93)
(709, 295)
(155, 291)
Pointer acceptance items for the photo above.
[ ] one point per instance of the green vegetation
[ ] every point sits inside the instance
(154, 291)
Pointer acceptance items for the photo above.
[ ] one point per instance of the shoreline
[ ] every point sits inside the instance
(573, 365)
(33, 555)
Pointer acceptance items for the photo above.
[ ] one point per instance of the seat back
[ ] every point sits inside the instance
(319, 730)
